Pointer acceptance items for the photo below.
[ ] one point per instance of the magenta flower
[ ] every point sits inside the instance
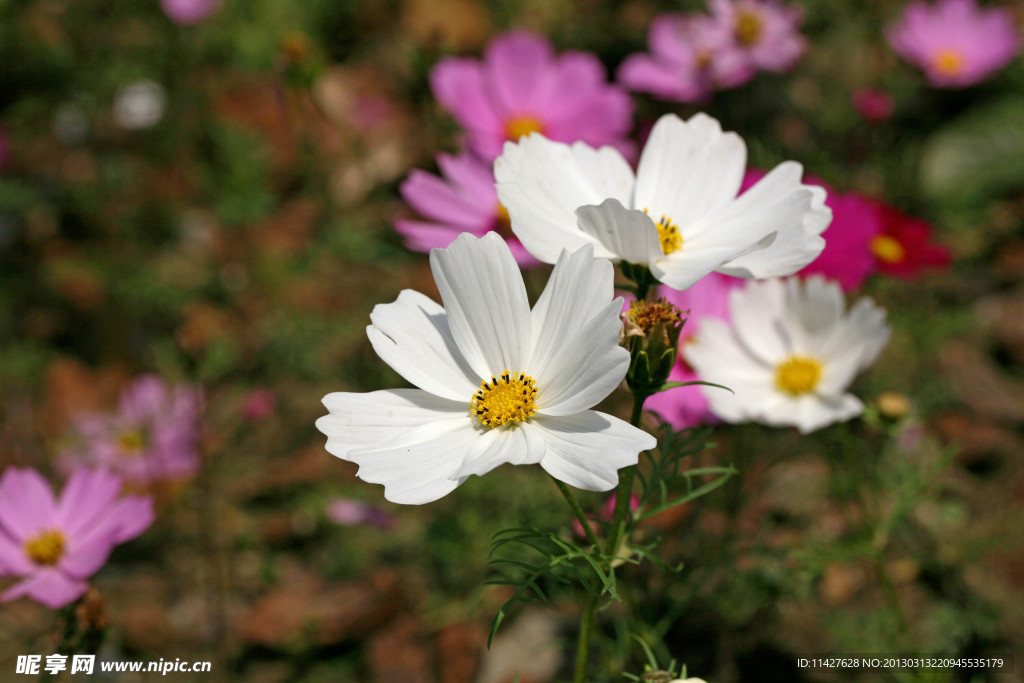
(687, 61)
(873, 105)
(55, 545)
(955, 42)
(188, 12)
(464, 200)
(522, 87)
(847, 256)
(686, 406)
(763, 31)
(151, 437)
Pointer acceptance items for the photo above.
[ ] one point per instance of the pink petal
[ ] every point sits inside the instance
(86, 495)
(435, 199)
(516, 64)
(26, 503)
(13, 561)
(83, 560)
(47, 586)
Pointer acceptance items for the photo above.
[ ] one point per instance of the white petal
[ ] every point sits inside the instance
(717, 356)
(412, 336)
(688, 170)
(520, 444)
(585, 367)
(606, 170)
(542, 183)
(579, 288)
(484, 295)
(684, 267)
(586, 450)
(421, 465)
(757, 315)
(813, 310)
(628, 233)
(855, 346)
(373, 419)
(809, 413)
(779, 203)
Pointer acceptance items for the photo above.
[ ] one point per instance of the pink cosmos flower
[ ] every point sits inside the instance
(55, 545)
(763, 31)
(258, 404)
(955, 42)
(351, 512)
(686, 406)
(874, 105)
(151, 437)
(463, 200)
(848, 255)
(522, 87)
(687, 61)
(188, 12)
(606, 515)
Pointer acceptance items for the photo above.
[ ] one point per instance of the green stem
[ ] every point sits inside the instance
(583, 643)
(615, 533)
(578, 511)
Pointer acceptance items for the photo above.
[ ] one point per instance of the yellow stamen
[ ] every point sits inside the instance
(888, 249)
(46, 548)
(948, 61)
(131, 442)
(518, 126)
(503, 222)
(647, 314)
(668, 235)
(797, 375)
(505, 399)
(749, 26)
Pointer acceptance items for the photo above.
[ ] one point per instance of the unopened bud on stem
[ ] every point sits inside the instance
(650, 332)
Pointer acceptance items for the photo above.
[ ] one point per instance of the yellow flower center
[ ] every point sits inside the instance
(505, 399)
(668, 235)
(46, 548)
(703, 59)
(888, 249)
(518, 126)
(948, 61)
(797, 375)
(131, 442)
(503, 222)
(749, 26)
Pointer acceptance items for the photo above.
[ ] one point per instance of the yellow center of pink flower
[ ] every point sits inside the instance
(518, 126)
(46, 548)
(503, 224)
(749, 26)
(888, 249)
(131, 442)
(948, 61)
(505, 399)
(797, 375)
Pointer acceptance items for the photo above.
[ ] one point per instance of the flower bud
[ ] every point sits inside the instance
(650, 332)
(892, 406)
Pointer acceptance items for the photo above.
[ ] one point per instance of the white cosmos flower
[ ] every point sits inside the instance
(679, 215)
(790, 354)
(498, 383)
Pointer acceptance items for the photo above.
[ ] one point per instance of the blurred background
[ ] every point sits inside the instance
(205, 194)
